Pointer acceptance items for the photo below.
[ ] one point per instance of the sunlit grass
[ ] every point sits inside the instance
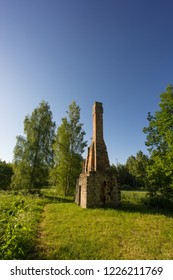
(70, 232)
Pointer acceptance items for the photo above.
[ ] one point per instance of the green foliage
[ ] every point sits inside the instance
(33, 154)
(19, 216)
(68, 148)
(132, 175)
(137, 168)
(6, 172)
(77, 143)
(159, 139)
(122, 174)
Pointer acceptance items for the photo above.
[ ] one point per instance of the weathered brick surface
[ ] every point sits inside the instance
(96, 187)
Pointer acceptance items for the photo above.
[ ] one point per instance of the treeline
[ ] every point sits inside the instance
(132, 174)
(154, 173)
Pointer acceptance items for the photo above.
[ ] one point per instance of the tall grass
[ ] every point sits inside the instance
(19, 217)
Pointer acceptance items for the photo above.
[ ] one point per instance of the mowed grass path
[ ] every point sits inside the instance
(70, 232)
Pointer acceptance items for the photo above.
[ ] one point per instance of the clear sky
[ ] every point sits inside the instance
(118, 52)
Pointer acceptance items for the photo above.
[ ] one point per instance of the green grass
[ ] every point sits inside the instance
(131, 232)
(56, 228)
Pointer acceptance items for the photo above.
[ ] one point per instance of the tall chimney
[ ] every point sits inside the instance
(97, 159)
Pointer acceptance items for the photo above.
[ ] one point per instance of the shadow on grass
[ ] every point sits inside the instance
(144, 208)
(37, 253)
(58, 199)
(141, 202)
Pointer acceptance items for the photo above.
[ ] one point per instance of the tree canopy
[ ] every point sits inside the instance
(136, 165)
(68, 148)
(6, 172)
(159, 140)
(33, 154)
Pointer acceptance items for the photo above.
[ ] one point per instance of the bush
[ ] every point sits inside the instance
(19, 216)
(6, 172)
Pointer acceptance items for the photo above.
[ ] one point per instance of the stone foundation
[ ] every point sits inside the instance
(97, 190)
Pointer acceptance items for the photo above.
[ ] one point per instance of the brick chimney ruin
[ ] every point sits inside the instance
(96, 186)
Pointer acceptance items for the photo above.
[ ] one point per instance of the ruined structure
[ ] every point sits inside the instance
(96, 186)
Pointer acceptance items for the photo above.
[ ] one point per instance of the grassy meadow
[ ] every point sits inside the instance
(56, 228)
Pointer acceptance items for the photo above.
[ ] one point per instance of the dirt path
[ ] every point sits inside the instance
(40, 249)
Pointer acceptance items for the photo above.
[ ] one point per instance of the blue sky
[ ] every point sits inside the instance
(119, 52)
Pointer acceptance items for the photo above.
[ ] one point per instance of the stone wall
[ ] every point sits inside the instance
(97, 190)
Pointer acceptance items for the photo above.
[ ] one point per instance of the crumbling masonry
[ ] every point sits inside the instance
(96, 186)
